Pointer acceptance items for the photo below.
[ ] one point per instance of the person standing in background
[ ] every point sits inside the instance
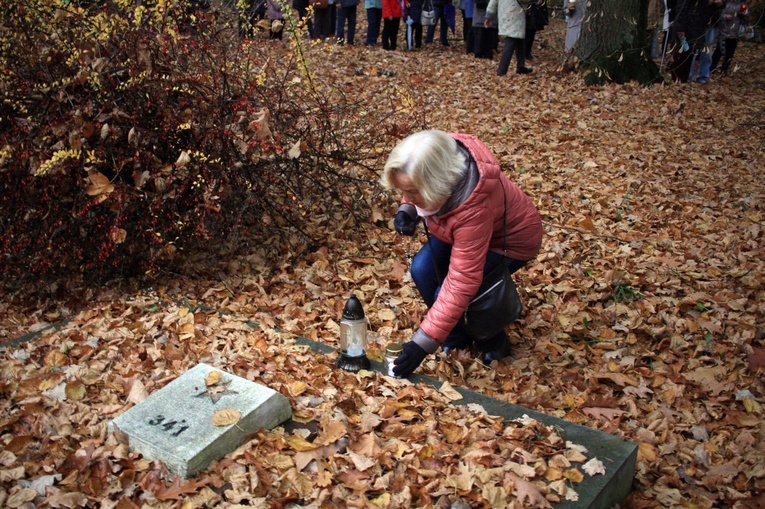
(346, 12)
(438, 7)
(537, 18)
(734, 16)
(511, 22)
(392, 11)
(374, 21)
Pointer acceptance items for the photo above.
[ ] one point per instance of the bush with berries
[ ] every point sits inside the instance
(134, 133)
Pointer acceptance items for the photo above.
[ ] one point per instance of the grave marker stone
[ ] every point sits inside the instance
(175, 424)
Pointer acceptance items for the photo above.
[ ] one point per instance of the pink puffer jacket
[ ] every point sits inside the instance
(473, 228)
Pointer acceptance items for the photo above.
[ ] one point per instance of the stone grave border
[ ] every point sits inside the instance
(595, 492)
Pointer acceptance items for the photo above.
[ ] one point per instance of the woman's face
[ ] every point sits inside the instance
(409, 192)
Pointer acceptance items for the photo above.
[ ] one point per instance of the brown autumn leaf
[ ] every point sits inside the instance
(69, 500)
(179, 488)
(99, 184)
(756, 360)
(118, 235)
(226, 417)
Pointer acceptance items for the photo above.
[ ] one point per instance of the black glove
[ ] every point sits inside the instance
(404, 223)
(409, 359)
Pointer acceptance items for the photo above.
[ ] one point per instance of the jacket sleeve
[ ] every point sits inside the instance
(471, 244)
(491, 9)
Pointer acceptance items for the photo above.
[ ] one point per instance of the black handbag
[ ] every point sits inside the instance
(495, 306)
(497, 303)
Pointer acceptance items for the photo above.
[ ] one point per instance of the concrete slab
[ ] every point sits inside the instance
(617, 454)
(175, 424)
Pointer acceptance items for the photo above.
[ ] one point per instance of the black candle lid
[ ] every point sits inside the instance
(353, 309)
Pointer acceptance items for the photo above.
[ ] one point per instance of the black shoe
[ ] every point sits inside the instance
(495, 351)
(455, 344)
(524, 70)
(529, 57)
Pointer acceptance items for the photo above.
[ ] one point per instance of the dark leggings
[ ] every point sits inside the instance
(725, 49)
(512, 45)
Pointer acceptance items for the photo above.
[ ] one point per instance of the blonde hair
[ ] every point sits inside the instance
(432, 162)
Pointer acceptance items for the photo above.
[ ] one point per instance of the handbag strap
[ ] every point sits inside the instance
(504, 232)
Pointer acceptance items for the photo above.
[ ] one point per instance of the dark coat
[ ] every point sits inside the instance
(414, 10)
(694, 17)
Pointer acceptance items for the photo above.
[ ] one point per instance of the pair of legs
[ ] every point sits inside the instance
(322, 23)
(429, 268)
(725, 50)
(443, 27)
(416, 31)
(374, 21)
(517, 46)
(346, 14)
(703, 54)
(390, 33)
(484, 41)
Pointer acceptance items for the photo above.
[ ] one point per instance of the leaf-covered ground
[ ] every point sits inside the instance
(643, 318)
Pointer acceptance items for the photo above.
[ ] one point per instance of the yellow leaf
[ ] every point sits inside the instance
(386, 314)
(297, 388)
(226, 417)
(300, 444)
(646, 452)
(75, 390)
(382, 501)
(553, 474)
(186, 328)
(213, 378)
(752, 406)
(573, 475)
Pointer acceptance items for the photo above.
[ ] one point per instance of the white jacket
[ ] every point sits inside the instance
(511, 16)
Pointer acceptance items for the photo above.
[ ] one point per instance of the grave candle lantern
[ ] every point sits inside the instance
(353, 337)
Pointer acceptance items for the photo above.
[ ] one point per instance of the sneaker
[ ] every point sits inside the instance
(524, 70)
(701, 81)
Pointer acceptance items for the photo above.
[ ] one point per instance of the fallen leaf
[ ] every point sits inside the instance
(449, 391)
(99, 184)
(75, 390)
(594, 466)
(294, 151)
(226, 417)
(179, 489)
(213, 378)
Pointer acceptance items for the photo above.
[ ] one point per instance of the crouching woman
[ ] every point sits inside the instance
(475, 218)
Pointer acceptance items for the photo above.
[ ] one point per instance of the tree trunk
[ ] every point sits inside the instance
(614, 45)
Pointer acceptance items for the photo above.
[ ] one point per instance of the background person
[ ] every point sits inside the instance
(511, 22)
(374, 21)
(439, 8)
(346, 13)
(476, 218)
(735, 14)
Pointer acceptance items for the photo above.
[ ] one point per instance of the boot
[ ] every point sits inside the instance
(454, 342)
(494, 349)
